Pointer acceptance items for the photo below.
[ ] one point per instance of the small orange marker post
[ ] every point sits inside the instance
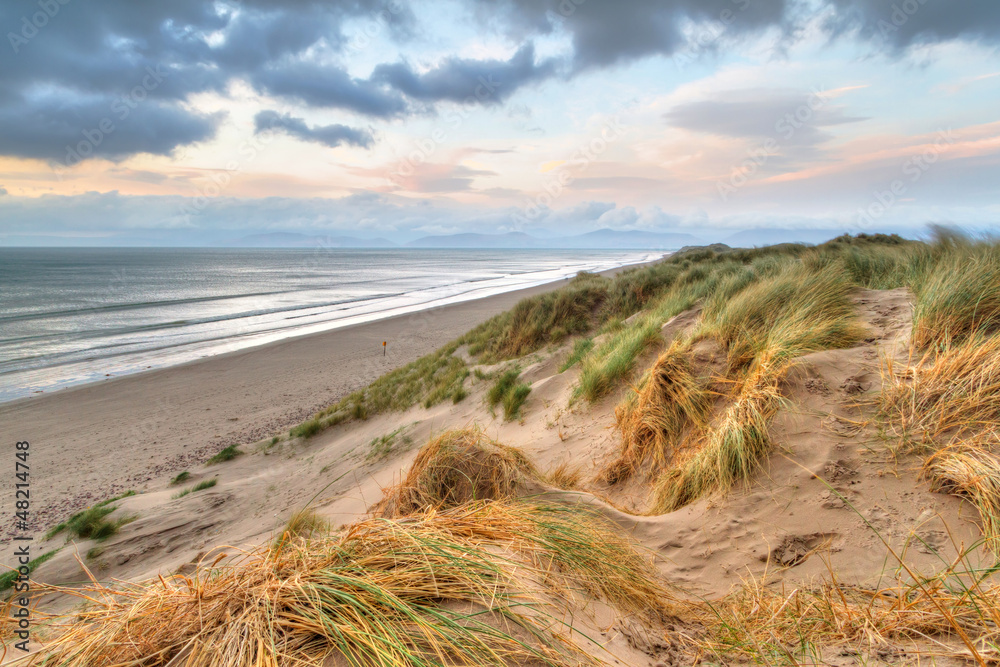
(383, 348)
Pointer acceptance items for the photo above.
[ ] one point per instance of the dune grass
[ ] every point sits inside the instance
(565, 476)
(957, 297)
(457, 467)
(200, 486)
(180, 478)
(579, 351)
(764, 314)
(8, 578)
(668, 401)
(790, 313)
(614, 361)
(763, 326)
(766, 625)
(539, 320)
(468, 586)
(509, 392)
(730, 451)
(972, 472)
(381, 447)
(92, 523)
(305, 524)
(227, 454)
(951, 389)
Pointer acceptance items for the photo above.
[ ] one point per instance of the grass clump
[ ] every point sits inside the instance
(580, 350)
(92, 523)
(669, 401)
(180, 478)
(972, 473)
(457, 467)
(306, 429)
(303, 525)
(539, 320)
(227, 454)
(950, 390)
(381, 447)
(565, 476)
(429, 380)
(7, 579)
(614, 361)
(471, 586)
(791, 313)
(958, 610)
(200, 486)
(508, 391)
(958, 294)
(731, 451)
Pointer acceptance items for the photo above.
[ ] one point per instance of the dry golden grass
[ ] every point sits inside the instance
(304, 524)
(566, 476)
(769, 626)
(947, 390)
(652, 420)
(946, 404)
(973, 473)
(457, 467)
(472, 586)
(730, 451)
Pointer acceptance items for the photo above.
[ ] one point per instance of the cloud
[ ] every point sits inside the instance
(329, 87)
(629, 218)
(605, 32)
(436, 178)
(761, 113)
(70, 130)
(463, 80)
(3, 191)
(328, 135)
(57, 78)
(898, 24)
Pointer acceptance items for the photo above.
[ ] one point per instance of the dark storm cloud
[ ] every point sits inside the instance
(605, 32)
(461, 80)
(322, 86)
(70, 131)
(898, 24)
(328, 135)
(87, 55)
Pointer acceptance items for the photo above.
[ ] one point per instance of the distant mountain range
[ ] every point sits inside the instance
(602, 239)
(293, 240)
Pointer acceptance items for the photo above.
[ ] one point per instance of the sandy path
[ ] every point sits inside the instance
(93, 441)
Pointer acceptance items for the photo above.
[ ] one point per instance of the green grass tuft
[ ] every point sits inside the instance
(227, 454)
(7, 579)
(509, 392)
(580, 350)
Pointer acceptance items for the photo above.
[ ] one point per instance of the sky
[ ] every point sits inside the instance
(189, 122)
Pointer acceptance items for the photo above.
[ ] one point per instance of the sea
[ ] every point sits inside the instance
(75, 315)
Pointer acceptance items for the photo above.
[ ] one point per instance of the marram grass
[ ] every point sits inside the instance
(456, 467)
(971, 472)
(472, 586)
(732, 450)
(669, 401)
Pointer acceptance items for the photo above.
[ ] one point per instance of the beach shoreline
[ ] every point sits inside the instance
(94, 440)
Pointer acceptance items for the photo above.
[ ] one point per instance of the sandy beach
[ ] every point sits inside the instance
(93, 441)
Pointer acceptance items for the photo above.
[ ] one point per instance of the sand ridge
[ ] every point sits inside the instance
(791, 523)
